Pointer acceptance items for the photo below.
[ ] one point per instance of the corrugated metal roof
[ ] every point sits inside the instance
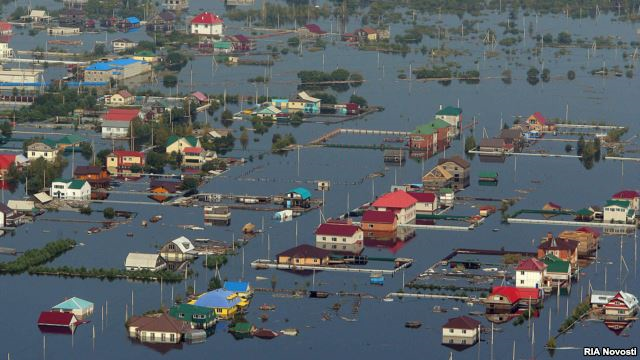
(74, 303)
(140, 260)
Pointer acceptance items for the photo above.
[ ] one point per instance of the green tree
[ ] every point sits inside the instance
(580, 146)
(6, 129)
(571, 74)
(190, 183)
(169, 81)
(564, 38)
(109, 213)
(362, 102)
(244, 139)
(293, 42)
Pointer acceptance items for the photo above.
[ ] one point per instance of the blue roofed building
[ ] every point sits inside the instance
(79, 307)
(225, 304)
(298, 197)
(118, 69)
(242, 288)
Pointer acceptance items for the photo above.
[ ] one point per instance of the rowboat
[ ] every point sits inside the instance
(266, 334)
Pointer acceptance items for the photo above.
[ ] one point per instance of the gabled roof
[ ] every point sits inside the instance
(368, 30)
(556, 265)
(6, 160)
(121, 115)
(438, 172)
(559, 244)
(170, 186)
(306, 97)
(305, 251)
(396, 200)
(450, 111)
(492, 142)
(167, 15)
(77, 184)
(160, 323)
(200, 96)
(73, 303)
(462, 322)
(192, 140)
(594, 232)
(218, 298)
(619, 203)
(236, 286)
(629, 300)
(304, 193)
(207, 18)
(313, 28)
(531, 264)
(538, 116)
(192, 150)
(423, 197)
(56, 318)
(87, 170)
(457, 160)
(515, 294)
(185, 245)
(431, 127)
(626, 195)
(383, 217)
(125, 94)
(141, 260)
(121, 153)
(337, 229)
(70, 139)
(133, 20)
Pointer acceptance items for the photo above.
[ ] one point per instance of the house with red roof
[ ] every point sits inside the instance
(340, 236)
(207, 24)
(530, 273)
(116, 123)
(401, 203)
(193, 157)
(462, 331)
(628, 195)
(5, 162)
(623, 304)
(241, 43)
(510, 298)
(379, 221)
(304, 255)
(57, 319)
(121, 98)
(427, 202)
(121, 162)
(537, 122)
(311, 31)
(5, 28)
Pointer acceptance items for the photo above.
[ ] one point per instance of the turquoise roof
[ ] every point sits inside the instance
(620, 203)
(71, 139)
(304, 193)
(76, 184)
(450, 111)
(73, 303)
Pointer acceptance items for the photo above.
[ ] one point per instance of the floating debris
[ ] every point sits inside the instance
(267, 307)
(289, 331)
(266, 334)
(412, 324)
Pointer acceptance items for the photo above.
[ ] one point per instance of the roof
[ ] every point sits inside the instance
(193, 150)
(113, 64)
(124, 93)
(160, 323)
(87, 170)
(240, 38)
(133, 20)
(190, 310)
(337, 229)
(626, 195)
(538, 116)
(602, 297)
(306, 97)
(431, 127)
(488, 174)
(584, 212)
(120, 153)
(510, 134)
(141, 260)
(368, 30)
(304, 193)
(305, 251)
(121, 114)
(385, 217)
(207, 18)
(185, 245)
(167, 15)
(620, 203)
(56, 318)
(462, 322)
(629, 300)
(77, 184)
(531, 264)
(423, 197)
(200, 96)
(74, 303)
(313, 28)
(457, 160)
(450, 111)
(6, 160)
(236, 286)
(594, 232)
(396, 199)
(5, 26)
(559, 244)
(492, 142)
(192, 140)
(218, 298)
(515, 294)
(20, 205)
(222, 45)
(269, 110)
(556, 265)
(70, 139)
(171, 186)
(43, 197)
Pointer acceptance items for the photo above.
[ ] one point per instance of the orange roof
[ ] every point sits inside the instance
(395, 200)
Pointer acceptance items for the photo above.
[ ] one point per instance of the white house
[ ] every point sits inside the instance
(179, 249)
(622, 304)
(70, 189)
(530, 273)
(116, 123)
(140, 261)
(339, 236)
(177, 144)
(46, 149)
(207, 23)
(401, 203)
(601, 298)
(427, 202)
(461, 330)
(619, 211)
(451, 115)
(122, 97)
(123, 44)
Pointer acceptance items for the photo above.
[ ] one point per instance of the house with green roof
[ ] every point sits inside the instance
(45, 148)
(558, 272)
(199, 317)
(222, 47)
(432, 137)
(70, 189)
(452, 116)
(177, 143)
(68, 142)
(619, 211)
(79, 307)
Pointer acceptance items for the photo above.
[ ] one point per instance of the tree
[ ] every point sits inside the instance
(135, 168)
(564, 38)
(547, 38)
(169, 81)
(109, 213)
(580, 146)
(571, 75)
(469, 144)
(362, 102)
(532, 76)
(99, 50)
(214, 165)
(6, 129)
(101, 156)
(156, 162)
(244, 139)
(175, 61)
(190, 183)
(86, 210)
(293, 42)
(546, 75)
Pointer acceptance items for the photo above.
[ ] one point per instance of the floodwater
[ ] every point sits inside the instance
(378, 332)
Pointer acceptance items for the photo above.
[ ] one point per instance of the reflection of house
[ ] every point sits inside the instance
(427, 202)
(446, 197)
(179, 249)
(157, 328)
(47, 149)
(459, 168)
(437, 178)
(206, 23)
(564, 249)
(530, 273)
(298, 197)
(400, 203)
(622, 304)
(304, 255)
(379, 221)
(140, 261)
(461, 330)
(509, 298)
(79, 307)
(199, 317)
(339, 236)
(120, 162)
(70, 189)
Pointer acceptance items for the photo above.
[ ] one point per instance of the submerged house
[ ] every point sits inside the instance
(461, 330)
(298, 197)
(240, 288)
(558, 272)
(619, 211)
(587, 237)
(509, 298)
(79, 307)
(225, 304)
(563, 249)
(622, 304)
(157, 328)
(140, 261)
(304, 255)
(530, 273)
(180, 249)
(340, 236)
(459, 168)
(199, 317)
(379, 221)
(427, 202)
(57, 319)
(400, 203)
(437, 178)
(452, 116)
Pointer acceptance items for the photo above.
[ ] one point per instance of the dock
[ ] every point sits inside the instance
(501, 153)
(327, 136)
(432, 296)
(570, 223)
(271, 264)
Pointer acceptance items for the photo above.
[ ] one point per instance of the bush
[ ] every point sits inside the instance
(86, 210)
(109, 213)
(169, 81)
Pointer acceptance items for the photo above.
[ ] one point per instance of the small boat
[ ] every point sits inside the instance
(412, 324)
(325, 317)
(289, 331)
(387, 299)
(130, 234)
(265, 334)
(198, 228)
(156, 218)
(94, 230)
(492, 269)
(267, 307)
(455, 308)
(476, 313)
(263, 317)
(348, 319)
(439, 309)
(144, 223)
(318, 294)
(495, 230)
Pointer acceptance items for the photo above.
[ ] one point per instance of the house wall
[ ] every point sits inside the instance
(159, 337)
(463, 333)
(378, 227)
(302, 261)
(461, 176)
(206, 29)
(332, 239)
(615, 214)
(528, 279)
(426, 206)
(47, 155)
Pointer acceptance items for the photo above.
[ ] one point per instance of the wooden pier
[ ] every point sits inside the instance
(432, 296)
(570, 223)
(501, 153)
(270, 264)
(325, 137)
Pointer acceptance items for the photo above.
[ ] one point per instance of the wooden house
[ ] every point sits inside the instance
(177, 250)
(304, 255)
(96, 176)
(311, 31)
(562, 248)
(379, 221)
(509, 298)
(537, 122)
(400, 203)
(623, 304)
(495, 145)
(461, 330)
(588, 239)
(513, 138)
(427, 202)
(558, 272)
(437, 178)
(162, 22)
(199, 317)
(298, 197)
(157, 328)
(459, 168)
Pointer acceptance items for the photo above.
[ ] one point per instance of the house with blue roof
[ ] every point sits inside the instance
(242, 288)
(118, 69)
(298, 197)
(224, 303)
(79, 307)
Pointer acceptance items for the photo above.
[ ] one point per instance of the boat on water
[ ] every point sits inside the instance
(476, 313)
(412, 324)
(336, 306)
(266, 334)
(439, 309)
(197, 228)
(318, 294)
(94, 230)
(267, 307)
(387, 299)
(284, 215)
(263, 317)
(289, 332)
(156, 218)
(144, 223)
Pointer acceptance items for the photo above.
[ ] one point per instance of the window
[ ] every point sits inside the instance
(464, 331)
(153, 336)
(172, 337)
(451, 331)
(521, 282)
(324, 238)
(181, 315)
(521, 272)
(163, 337)
(620, 311)
(344, 239)
(370, 226)
(334, 239)
(333, 246)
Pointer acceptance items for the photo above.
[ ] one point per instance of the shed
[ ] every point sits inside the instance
(43, 197)
(23, 206)
(140, 261)
(298, 197)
